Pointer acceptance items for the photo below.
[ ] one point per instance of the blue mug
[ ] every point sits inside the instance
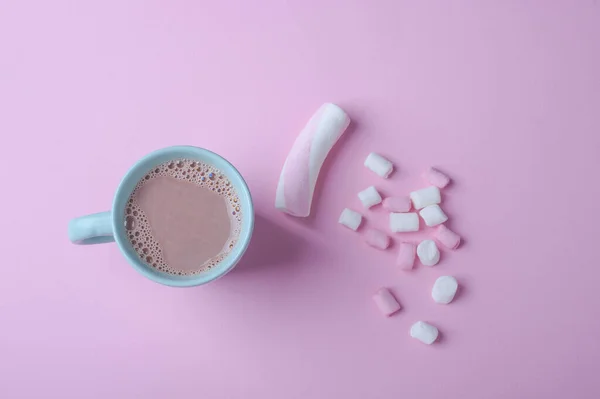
(109, 226)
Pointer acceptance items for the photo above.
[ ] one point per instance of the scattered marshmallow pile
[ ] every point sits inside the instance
(426, 203)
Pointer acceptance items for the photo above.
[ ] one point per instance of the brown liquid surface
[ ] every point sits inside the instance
(183, 218)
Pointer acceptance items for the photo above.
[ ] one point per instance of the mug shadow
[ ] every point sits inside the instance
(272, 246)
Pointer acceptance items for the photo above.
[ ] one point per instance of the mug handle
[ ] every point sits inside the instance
(91, 229)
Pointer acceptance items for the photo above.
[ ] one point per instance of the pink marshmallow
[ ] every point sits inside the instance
(406, 256)
(377, 239)
(397, 204)
(447, 237)
(386, 302)
(437, 178)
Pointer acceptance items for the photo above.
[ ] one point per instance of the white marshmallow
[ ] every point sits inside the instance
(444, 289)
(379, 165)
(426, 196)
(369, 197)
(404, 222)
(433, 215)
(424, 332)
(428, 253)
(350, 219)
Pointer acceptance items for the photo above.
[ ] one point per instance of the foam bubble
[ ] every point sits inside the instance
(129, 223)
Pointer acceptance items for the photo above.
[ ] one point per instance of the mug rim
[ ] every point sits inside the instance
(202, 278)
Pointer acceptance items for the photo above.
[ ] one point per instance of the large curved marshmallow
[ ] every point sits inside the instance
(301, 169)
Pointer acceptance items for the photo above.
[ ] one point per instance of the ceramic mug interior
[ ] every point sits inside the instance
(139, 171)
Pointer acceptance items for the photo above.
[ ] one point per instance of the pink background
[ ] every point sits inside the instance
(503, 95)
